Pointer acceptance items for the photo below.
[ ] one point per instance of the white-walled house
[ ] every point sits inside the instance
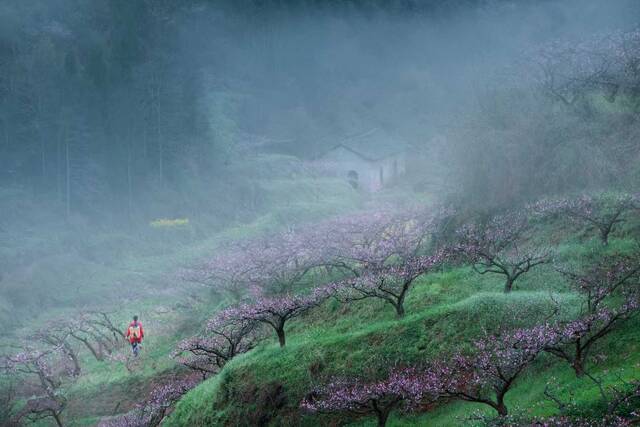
(368, 160)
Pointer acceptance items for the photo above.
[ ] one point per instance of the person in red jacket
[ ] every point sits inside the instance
(135, 334)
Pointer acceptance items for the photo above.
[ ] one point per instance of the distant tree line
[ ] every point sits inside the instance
(93, 110)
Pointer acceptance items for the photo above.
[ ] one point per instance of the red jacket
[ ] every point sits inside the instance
(129, 335)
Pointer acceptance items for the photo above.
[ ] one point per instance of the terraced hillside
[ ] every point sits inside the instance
(446, 311)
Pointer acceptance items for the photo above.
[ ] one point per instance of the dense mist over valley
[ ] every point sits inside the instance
(146, 98)
(435, 200)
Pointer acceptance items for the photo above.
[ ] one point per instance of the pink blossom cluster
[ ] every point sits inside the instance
(279, 263)
(573, 340)
(33, 361)
(500, 246)
(389, 283)
(378, 245)
(405, 387)
(609, 276)
(555, 421)
(270, 309)
(274, 311)
(485, 375)
(275, 263)
(500, 234)
(168, 393)
(153, 410)
(603, 211)
(373, 240)
(46, 399)
(221, 341)
(610, 296)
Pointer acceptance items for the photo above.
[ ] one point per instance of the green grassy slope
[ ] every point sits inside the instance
(444, 312)
(123, 274)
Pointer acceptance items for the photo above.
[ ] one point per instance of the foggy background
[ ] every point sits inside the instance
(116, 113)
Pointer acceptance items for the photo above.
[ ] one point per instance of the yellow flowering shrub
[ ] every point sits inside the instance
(169, 223)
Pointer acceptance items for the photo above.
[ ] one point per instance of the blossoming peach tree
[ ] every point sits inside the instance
(404, 388)
(610, 293)
(501, 246)
(389, 283)
(604, 211)
(275, 311)
(221, 341)
(487, 373)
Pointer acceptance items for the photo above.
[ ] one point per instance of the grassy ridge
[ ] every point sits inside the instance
(446, 311)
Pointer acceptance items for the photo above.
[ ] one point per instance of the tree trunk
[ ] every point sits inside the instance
(500, 406)
(604, 235)
(381, 412)
(58, 418)
(502, 409)
(382, 418)
(98, 355)
(508, 285)
(578, 367)
(74, 359)
(281, 338)
(578, 362)
(400, 302)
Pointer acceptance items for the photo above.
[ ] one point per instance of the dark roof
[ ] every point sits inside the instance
(372, 145)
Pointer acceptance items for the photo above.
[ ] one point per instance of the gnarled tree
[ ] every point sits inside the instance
(610, 293)
(402, 388)
(500, 246)
(152, 411)
(603, 211)
(47, 400)
(490, 371)
(221, 341)
(275, 311)
(390, 283)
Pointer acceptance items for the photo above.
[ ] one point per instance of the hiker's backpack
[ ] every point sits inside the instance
(134, 331)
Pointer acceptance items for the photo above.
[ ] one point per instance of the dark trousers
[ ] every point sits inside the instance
(135, 347)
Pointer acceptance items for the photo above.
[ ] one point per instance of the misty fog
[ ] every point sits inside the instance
(185, 160)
